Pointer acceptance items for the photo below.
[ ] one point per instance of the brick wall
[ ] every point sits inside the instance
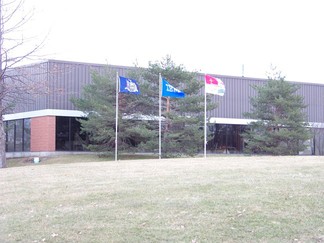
(42, 134)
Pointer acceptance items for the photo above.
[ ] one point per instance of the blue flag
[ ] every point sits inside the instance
(127, 85)
(169, 91)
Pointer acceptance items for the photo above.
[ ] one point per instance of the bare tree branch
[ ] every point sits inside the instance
(16, 84)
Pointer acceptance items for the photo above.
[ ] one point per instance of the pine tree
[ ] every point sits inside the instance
(280, 127)
(182, 132)
(98, 101)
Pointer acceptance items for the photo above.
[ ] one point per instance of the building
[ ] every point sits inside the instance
(48, 123)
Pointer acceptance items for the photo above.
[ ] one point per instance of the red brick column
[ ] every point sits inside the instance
(42, 134)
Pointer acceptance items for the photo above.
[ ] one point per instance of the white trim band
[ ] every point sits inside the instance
(232, 121)
(237, 121)
(46, 112)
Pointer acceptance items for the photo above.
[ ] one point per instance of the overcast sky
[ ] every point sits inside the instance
(210, 36)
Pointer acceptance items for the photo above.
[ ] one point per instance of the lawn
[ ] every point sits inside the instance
(218, 199)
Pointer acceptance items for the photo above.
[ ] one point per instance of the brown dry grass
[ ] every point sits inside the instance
(231, 199)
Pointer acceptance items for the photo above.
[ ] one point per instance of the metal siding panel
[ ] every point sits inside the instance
(67, 79)
(31, 75)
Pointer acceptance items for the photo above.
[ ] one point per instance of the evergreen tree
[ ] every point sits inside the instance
(98, 101)
(182, 130)
(280, 127)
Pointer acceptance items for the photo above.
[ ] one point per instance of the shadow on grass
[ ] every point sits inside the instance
(78, 158)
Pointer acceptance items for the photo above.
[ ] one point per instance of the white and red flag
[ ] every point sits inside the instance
(214, 85)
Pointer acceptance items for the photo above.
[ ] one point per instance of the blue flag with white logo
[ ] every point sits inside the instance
(169, 91)
(127, 85)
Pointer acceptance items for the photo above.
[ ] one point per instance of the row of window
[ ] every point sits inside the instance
(67, 135)
(225, 138)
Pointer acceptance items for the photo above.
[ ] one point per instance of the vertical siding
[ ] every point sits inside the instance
(35, 82)
(314, 99)
(67, 79)
(236, 100)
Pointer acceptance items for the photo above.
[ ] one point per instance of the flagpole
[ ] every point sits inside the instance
(160, 115)
(116, 132)
(205, 124)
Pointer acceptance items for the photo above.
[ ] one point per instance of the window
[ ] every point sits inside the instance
(26, 135)
(68, 136)
(17, 135)
(226, 138)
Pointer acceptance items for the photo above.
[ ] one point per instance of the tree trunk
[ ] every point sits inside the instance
(3, 163)
(2, 133)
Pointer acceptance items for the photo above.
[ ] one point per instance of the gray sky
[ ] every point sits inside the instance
(210, 36)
